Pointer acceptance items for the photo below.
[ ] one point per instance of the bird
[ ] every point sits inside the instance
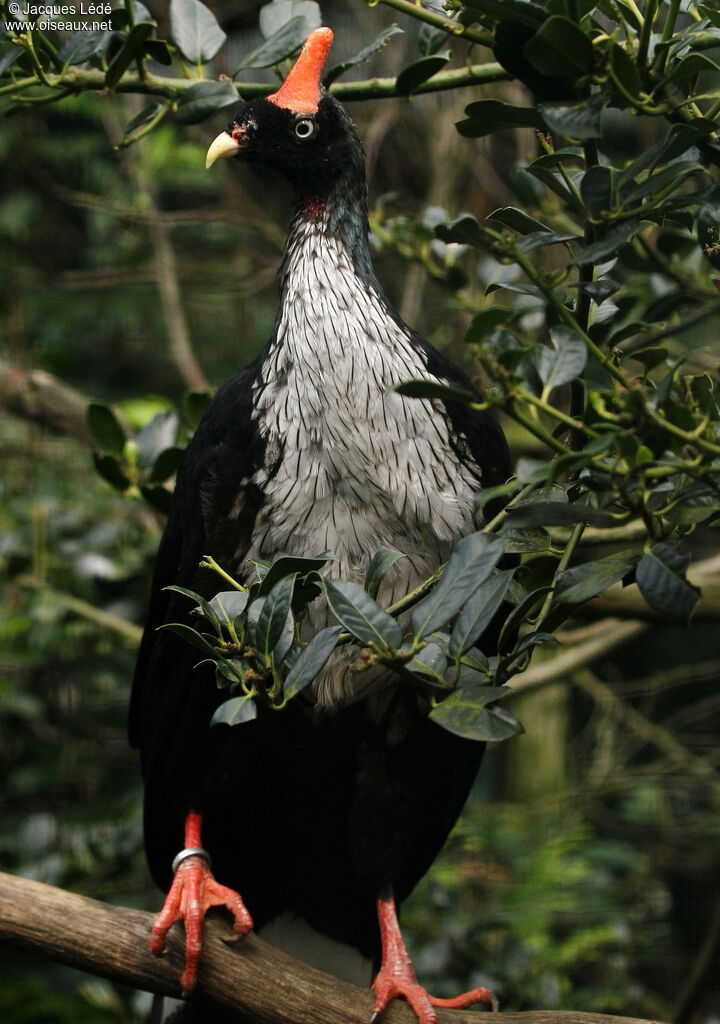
(312, 824)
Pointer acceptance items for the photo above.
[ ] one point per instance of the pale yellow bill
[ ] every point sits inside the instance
(224, 145)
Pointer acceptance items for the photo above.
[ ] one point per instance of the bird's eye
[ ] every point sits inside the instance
(304, 128)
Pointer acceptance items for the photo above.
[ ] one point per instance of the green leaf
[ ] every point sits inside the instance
(579, 121)
(431, 389)
(478, 611)
(466, 230)
(525, 607)
(362, 55)
(166, 465)
(543, 168)
(131, 48)
(660, 575)
(273, 616)
(274, 15)
(382, 561)
(518, 220)
(560, 49)
(463, 714)
(583, 582)
(310, 660)
(598, 290)
(110, 469)
(672, 175)
(190, 635)
(486, 321)
(360, 615)
(157, 497)
(203, 99)
(203, 607)
(10, 56)
(650, 357)
(106, 428)
(146, 114)
(711, 13)
(565, 362)
(120, 18)
(228, 671)
(235, 711)
(228, 604)
(539, 239)
(158, 435)
(286, 565)
(280, 45)
(487, 116)
(598, 252)
(158, 50)
(470, 563)
(625, 70)
(195, 29)
(488, 494)
(430, 663)
(692, 64)
(420, 71)
(195, 405)
(520, 11)
(523, 542)
(555, 513)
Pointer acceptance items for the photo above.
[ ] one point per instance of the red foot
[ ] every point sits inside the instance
(396, 978)
(193, 892)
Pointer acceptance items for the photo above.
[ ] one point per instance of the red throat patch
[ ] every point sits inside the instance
(302, 89)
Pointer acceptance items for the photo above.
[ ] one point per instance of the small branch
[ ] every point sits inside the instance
(456, 28)
(168, 284)
(126, 629)
(77, 80)
(252, 978)
(645, 730)
(167, 276)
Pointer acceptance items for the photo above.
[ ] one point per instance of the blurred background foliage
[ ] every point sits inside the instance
(585, 871)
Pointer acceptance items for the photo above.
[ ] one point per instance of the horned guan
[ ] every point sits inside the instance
(320, 818)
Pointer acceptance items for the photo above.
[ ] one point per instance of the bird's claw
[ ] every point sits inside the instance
(192, 893)
(389, 985)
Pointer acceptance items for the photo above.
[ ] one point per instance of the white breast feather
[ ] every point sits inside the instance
(361, 467)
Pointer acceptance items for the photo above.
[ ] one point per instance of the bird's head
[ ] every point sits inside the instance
(299, 129)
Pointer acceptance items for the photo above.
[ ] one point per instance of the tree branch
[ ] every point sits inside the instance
(251, 977)
(615, 633)
(77, 80)
(42, 398)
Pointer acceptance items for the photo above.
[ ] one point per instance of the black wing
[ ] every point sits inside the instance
(215, 505)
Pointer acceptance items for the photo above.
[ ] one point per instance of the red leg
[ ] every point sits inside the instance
(193, 891)
(396, 977)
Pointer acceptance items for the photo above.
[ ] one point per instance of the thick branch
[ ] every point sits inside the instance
(615, 633)
(78, 80)
(41, 397)
(252, 978)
